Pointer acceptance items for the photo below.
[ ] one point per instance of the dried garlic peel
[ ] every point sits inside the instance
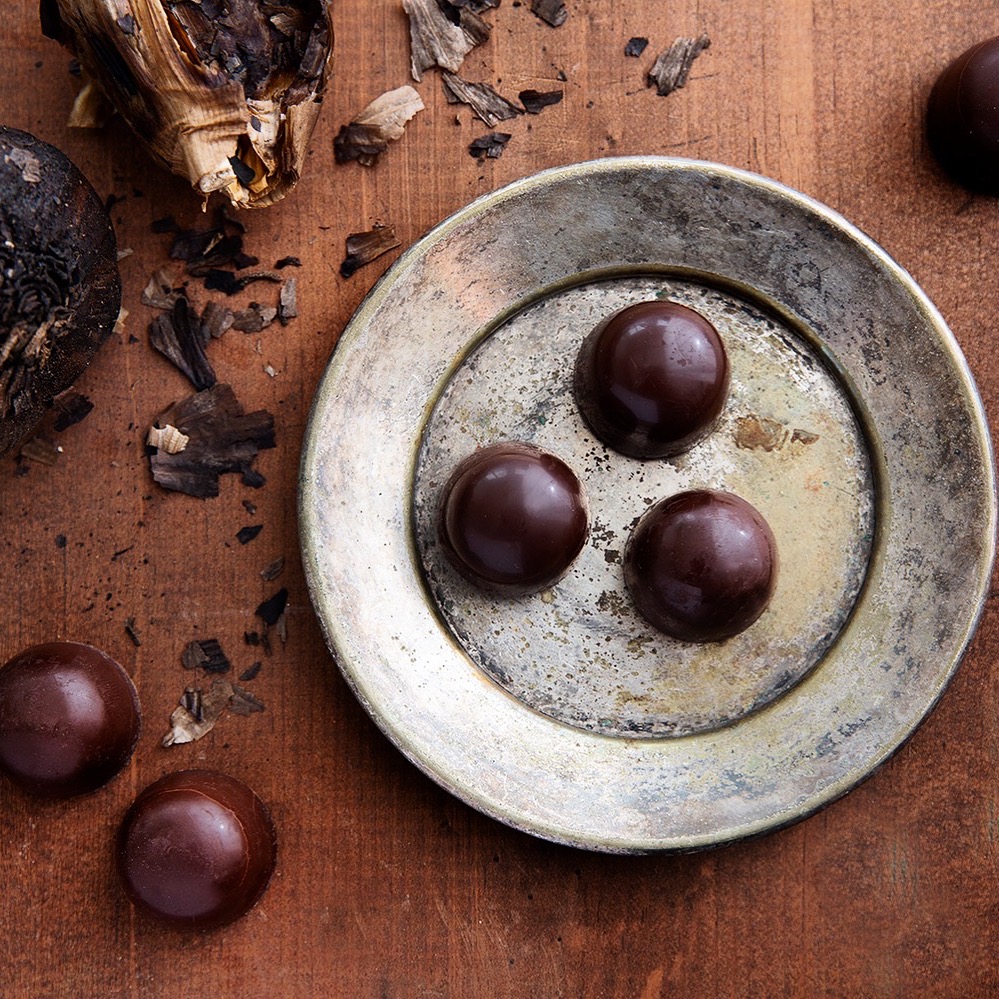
(221, 92)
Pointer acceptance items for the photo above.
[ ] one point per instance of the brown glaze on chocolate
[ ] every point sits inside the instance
(69, 719)
(196, 849)
(962, 120)
(513, 518)
(652, 379)
(701, 565)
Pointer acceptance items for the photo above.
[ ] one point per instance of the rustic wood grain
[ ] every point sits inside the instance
(386, 886)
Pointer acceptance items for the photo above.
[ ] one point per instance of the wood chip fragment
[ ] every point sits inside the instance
(671, 69)
(487, 104)
(167, 438)
(489, 146)
(381, 122)
(439, 40)
(363, 247)
(552, 12)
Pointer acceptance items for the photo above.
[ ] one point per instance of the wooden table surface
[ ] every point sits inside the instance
(386, 885)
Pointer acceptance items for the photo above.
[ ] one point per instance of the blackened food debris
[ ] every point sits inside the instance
(132, 631)
(254, 318)
(381, 122)
(41, 450)
(60, 541)
(487, 104)
(71, 409)
(251, 671)
(127, 24)
(222, 439)
(489, 146)
(272, 608)
(442, 34)
(552, 12)
(288, 301)
(179, 337)
(251, 637)
(166, 224)
(252, 478)
(272, 570)
(198, 712)
(215, 320)
(160, 292)
(246, 534)
(478, 6)
(217, 279)
(535, 101)
(635, 47)
(363, 247)
(205, 654)
(242, 702)
(287, 262)
(671, 69)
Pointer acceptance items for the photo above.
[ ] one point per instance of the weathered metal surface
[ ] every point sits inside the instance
(722, 236)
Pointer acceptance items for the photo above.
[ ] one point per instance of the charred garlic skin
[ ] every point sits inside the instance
(60, 290)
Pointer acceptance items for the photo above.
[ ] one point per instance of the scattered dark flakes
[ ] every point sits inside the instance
(60, 541)
(41, 450)
(671, 69)
(215, 320)
(251, 637)
(190, 244)
(198, 712)
(250, 507)
(635, 47)
(71, 409)
(552, 12)
(489, 146)
(442, 34)
(273, 607)
(132, 338)
(251, 671)
(178, 337)
(478, 6)
(132, 631)
(485, 102)
(166, 224)
(561, 76)
(287, 262)
(363, 247)
(381, 122)
(111, 200)
(223, 438)
(160, 292)
(535, 101)
(121, 551)
(252, 478)
(246, 534)
(217, 279)
(242, 702)
(288, 301)
(254, 318)
(206, 654)
(272, 570)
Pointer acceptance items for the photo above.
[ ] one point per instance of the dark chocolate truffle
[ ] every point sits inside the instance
(513, 518)
(196, 849)
(652, 379)
(962, 121)
(69, 719)
(701, 565)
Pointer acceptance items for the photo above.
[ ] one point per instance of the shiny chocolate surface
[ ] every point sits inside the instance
(701, 565)
(69, 719)
(652, 379)
(196, 849)
(513, 518)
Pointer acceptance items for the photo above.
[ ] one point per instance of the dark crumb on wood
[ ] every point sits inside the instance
(635, 47)
(251, 637)
(179, 337)
(535, 101)
(671, 69)
(205, 654)
(363, 247)
(272, 608)
(487, 104)
(242, 702)
(132, 631)
(273, 570)
(246, 534)
(252, 478)
(287, 262)
(71, 409)
(166, 224)
(250, 507)
(552, 12)
(489, 146)
(442, 34)
(60, 541)
(222, 439)
(251, 671)
(381, 122)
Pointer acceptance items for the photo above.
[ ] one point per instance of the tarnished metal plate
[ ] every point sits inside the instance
(851, 407)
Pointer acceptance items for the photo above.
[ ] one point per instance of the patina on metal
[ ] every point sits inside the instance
(854, 425)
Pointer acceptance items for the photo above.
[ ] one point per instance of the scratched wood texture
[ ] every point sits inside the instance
(386, 886)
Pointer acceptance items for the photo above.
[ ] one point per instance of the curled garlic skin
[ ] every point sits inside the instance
(168, 439)
(193, 116)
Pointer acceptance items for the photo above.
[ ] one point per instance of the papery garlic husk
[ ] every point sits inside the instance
(223, 92)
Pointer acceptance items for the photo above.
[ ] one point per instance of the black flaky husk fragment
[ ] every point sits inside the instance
(222, 439)
(251, 671)
(246, 534)
(60, 292)
(635, 47)
(672, 68)
(363, 247)
(489, 146)
(71, 408)
(442, 34)
(476, 6)
(484, 101)
(552, 12)
(272, 608)
(205, 654)
(535, 101)
(180, 337)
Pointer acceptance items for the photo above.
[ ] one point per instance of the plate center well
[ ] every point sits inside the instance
(788, 443)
